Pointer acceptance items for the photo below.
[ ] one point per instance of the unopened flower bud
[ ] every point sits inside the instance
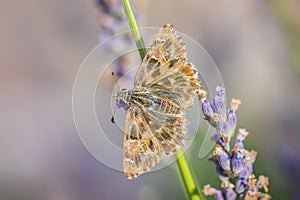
(223, 158)
(230, 194)
(240, 185)
(231, 120)
(237, 162)
(218, 102)
(207, 110)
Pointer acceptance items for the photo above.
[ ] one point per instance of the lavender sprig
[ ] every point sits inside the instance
(234, 164)
(114, 21)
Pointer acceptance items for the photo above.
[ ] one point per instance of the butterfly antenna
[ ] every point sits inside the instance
(113, 115)
(113, 74)
(114, 111)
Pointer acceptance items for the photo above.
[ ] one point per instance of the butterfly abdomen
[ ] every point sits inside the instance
(156, 102)
(164, 105)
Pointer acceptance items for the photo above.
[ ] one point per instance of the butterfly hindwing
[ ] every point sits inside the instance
(170, 131)
(141, 149)
(163, 114)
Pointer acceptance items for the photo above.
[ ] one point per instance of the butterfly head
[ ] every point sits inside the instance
(122, 98)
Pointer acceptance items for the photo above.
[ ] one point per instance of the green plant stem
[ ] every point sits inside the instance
(187, 175)
(134, 28)
(287, 15)
(185, 171)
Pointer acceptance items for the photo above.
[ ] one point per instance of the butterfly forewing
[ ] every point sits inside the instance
(167, 49)
(165, 65)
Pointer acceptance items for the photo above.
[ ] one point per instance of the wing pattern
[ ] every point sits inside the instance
(164, 87)
(141, 149)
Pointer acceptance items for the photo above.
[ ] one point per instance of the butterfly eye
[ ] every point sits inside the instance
(123, 105)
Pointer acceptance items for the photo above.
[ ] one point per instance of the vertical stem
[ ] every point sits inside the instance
(185, 171)
(287, 15)
(134, 28)
(187, 175)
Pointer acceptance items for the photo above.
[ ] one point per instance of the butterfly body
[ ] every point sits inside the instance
(164, 87)
(147, 99)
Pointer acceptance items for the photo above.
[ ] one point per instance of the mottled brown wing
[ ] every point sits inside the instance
(165, 65)
(141, 149)
(162, 111)
(169, 129)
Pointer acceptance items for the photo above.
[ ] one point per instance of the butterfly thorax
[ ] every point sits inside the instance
(123, 98)
(160, 101)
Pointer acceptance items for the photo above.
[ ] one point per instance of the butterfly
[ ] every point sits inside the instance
(164, 87)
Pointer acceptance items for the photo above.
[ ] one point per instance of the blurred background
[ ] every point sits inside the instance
(255, 44)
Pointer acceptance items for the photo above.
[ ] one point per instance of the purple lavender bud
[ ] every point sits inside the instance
(240, 185)
(218, 103)
(246, 171)
(219, 195)
(222, 128)
(207, 110)
(231, 121)
(238, 144)
(237, 162)
(221, 142)
(220, 93)
(219, 169)
(230, 194)
(222, 175)
(216, 137)
(223, 159)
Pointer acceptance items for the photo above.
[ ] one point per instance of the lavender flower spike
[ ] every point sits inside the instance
(234, 164)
